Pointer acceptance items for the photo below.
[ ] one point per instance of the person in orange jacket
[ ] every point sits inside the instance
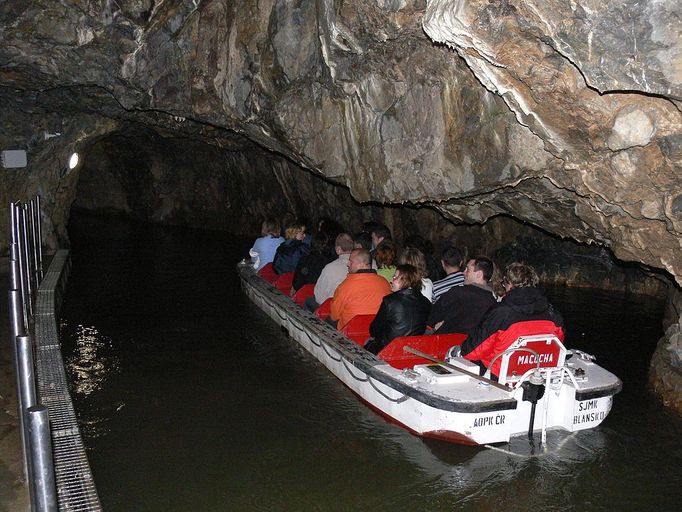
(361, 292)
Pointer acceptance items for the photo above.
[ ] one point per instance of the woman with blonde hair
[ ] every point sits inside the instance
(292, 250)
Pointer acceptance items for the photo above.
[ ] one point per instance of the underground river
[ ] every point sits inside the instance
(189, 398)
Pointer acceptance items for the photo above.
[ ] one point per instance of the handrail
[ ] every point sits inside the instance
(39, 369)
(453, 367)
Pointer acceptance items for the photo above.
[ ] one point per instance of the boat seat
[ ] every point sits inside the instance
(268, 273)
(304, 292)
(324, 310)
(284, 283)
(515, 362)
(357, 329)
(435, 345)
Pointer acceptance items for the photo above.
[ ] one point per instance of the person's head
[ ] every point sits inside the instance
(362, 240)
(406, 276)
(270, 227)
(414, 257)
(451, 259)
(479, 270)
(385, 255)
(319, 244)
(344, 243)
(369, 226)
(295, 232)
(329, 227)
(419, 242)
(379, 234)
(360, 259)
(519, 275)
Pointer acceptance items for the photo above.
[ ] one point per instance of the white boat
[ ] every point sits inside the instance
(447, 399)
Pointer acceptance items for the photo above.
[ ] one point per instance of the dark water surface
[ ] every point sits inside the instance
(192, 400)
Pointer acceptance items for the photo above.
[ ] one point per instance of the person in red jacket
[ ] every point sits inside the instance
(523, 311)
(361, 292)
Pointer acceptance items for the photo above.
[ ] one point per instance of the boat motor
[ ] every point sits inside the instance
(533, 390)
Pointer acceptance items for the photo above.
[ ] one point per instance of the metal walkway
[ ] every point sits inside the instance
(75, 486)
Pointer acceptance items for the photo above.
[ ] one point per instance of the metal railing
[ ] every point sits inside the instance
(55, 464)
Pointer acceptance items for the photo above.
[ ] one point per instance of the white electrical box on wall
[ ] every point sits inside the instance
(13, 158)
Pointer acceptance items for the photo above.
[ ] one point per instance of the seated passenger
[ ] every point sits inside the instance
(414, 257)
(452, 262)
(361, 292)
(362, 240)
(402, 313)
(333, 273)
(461, 308)
(433, 269)
(264, 248)
(523, 311)
(310, 266)
(384, 258)
(380, 235)
(331, 229)
(291, 251)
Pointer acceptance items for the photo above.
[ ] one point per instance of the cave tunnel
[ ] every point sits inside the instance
(520, 130)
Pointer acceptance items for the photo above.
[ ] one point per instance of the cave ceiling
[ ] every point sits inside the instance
(563, 114)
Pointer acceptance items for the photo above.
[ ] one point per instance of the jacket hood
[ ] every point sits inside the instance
(526, 300)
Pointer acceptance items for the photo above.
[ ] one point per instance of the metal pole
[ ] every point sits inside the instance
(14, 279)
(16, 320)
(21, 260)
(28, 298)
(26, 395)
(33, 239)
(39, 237)
(27, 380)
(17, 331)
(41, 454)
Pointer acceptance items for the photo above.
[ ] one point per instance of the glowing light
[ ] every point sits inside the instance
(73, 160)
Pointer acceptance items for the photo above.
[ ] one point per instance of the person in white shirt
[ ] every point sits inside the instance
(333, 273)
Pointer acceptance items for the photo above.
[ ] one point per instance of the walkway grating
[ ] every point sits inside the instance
(75, 486)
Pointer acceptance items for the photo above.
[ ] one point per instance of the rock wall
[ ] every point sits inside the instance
(562, 114)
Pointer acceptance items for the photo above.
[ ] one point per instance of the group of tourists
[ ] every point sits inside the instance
(408, 291)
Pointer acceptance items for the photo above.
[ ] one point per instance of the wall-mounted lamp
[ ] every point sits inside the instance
(73, 162)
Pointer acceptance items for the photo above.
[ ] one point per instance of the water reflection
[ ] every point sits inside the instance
(92, 360)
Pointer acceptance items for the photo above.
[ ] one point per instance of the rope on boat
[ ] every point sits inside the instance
(369, 379)
(394, 400)
(324, 347)
(301, 329)
(366, 379)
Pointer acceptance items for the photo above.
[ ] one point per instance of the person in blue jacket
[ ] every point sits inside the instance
(264, 248)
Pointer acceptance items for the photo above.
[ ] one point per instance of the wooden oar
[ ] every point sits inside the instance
(462, 370)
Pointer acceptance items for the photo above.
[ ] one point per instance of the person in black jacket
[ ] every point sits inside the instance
(461, 308)
(291, 251)
(310, 266)
(523, 311)
(402, 313)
